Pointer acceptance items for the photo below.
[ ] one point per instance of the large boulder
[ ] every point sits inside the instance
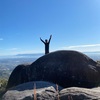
(19, 75)
(66, 68)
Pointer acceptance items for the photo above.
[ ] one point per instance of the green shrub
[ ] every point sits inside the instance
(3, 84)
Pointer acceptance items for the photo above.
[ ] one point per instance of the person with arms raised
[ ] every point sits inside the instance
(46, 43)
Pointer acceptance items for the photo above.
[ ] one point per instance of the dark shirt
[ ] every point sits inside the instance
(46, 48)
(46, 43)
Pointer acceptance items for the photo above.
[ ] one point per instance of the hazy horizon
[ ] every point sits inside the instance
(42, 53)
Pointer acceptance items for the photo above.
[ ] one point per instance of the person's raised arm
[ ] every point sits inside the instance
(50, 38)
(42, 40)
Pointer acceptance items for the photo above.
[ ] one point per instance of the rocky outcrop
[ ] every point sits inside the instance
(48, 91)
(44, 91)
(66, 68)
(75, 93)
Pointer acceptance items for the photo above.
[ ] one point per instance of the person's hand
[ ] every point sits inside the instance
(50, 36)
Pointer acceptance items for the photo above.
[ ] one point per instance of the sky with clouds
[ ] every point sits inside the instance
(74, 25)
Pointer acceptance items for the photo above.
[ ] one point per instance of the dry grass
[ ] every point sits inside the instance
(34, 92)
(57, 91)
(58, 97)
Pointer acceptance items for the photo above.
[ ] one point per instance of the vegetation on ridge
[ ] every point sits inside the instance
(3, 83)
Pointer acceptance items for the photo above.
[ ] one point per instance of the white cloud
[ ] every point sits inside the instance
(13, 49)
(84, 48)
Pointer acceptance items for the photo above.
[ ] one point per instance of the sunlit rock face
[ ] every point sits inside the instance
(66, 68)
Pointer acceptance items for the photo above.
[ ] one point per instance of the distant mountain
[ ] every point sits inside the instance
(92, 52)
(94, 55)
(35, 54)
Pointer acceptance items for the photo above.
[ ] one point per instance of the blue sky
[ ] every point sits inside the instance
(74, 25)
